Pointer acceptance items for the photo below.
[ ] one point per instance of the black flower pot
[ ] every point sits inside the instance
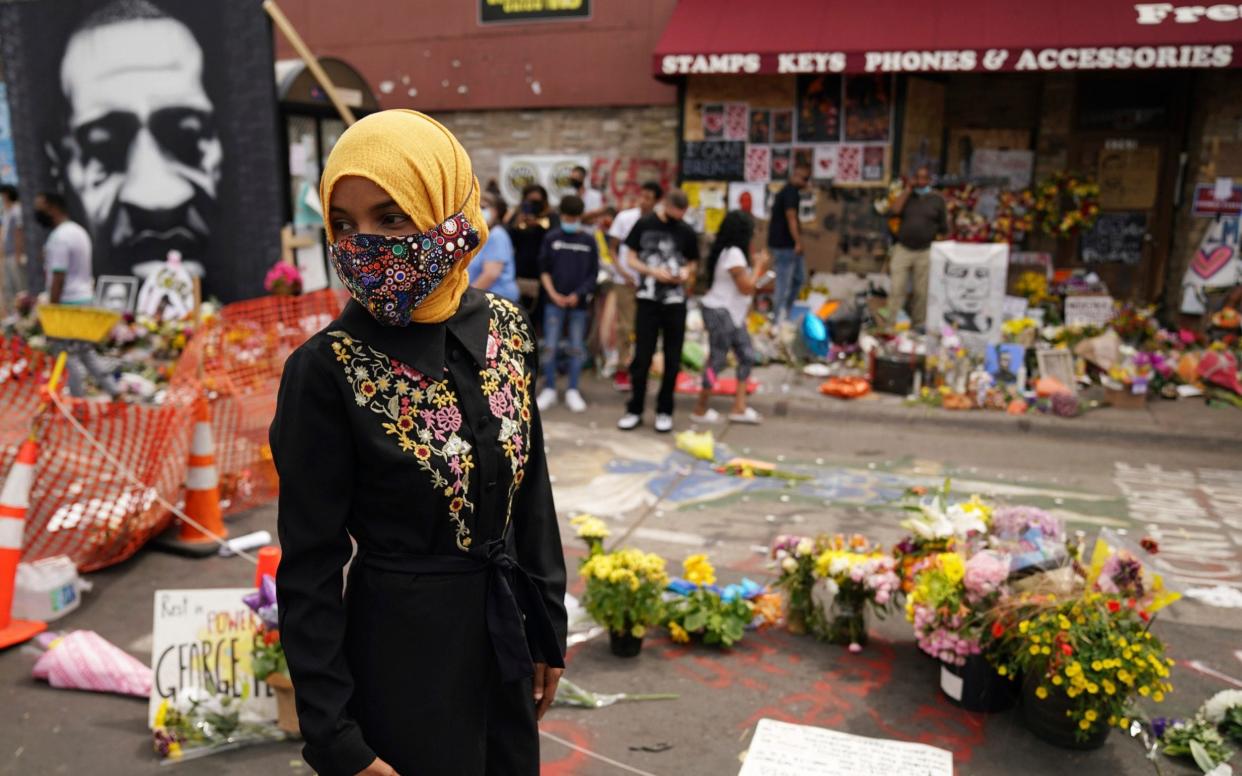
(976, 686)
(624, 644)
(1047, 719)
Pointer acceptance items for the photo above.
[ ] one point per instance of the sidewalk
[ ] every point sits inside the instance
(1184, 423)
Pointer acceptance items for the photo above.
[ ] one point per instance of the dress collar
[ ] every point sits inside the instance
(422, 345)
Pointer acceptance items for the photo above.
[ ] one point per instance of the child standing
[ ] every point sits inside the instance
(734, 282)
(568, 270)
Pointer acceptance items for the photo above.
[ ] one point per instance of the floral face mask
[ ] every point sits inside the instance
(391, 276)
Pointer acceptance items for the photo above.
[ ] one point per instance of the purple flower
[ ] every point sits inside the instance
(263, 602)
(1161, 724)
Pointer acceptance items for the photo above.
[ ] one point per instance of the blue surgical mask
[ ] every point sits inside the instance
(921, 190)
(570, 228)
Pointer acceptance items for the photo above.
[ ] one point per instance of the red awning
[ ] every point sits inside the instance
(878, 36)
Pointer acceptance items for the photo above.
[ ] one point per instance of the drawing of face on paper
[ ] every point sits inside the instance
(1216, 264)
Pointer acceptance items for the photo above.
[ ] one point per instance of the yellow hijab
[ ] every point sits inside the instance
(426, 172)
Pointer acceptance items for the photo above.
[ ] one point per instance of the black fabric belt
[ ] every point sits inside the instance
(516, 615)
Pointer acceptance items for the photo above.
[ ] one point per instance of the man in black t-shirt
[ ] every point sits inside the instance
(664, 254)
(923, 219)
(785, 241)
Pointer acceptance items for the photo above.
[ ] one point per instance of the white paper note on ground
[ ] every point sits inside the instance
(784, 749)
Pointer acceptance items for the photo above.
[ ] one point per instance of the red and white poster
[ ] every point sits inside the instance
(758, 163)
(849, 164)
(736, 115)
(713, 122)
(780, 163)
(825, 162)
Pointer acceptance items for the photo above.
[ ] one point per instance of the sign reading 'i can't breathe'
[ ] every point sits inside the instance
(493, 11)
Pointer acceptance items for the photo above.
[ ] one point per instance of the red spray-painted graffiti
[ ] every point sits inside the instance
(620, 179)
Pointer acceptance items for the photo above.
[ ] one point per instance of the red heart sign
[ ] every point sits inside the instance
(1205, 266)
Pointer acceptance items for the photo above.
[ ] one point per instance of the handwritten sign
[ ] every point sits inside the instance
(1208, 203)
(782, 749)
(1116, 237)
(203, 638)
(1088, 310)
(713, 160)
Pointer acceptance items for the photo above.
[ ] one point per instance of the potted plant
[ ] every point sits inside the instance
(702, 610)
(794, 558)
(852, 575)
(623, 593)
(592, 531)
(1084, 659)
(949, 608)
(267, 656)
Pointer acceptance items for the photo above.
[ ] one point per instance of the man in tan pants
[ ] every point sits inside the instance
(923, 219)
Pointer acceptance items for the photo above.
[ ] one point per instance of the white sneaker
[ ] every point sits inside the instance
(711, 416)
(749, 417)
(547, 399)
(574, 401)
(629, 421)
(664, 423)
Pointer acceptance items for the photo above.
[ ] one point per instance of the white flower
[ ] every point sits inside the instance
(789, 565)
(831, 588)
(966, 520)
(1214, 708)
(838, 566)
(805, 547)
(1224, 769)
(453, 446)
(931, 524)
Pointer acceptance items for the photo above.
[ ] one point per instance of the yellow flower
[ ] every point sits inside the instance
(590, 527)
(953, 566)
(1024, 626)
(678, 633)
(1085, 725)
(1002, 670)
(1034, 650)
(1045, 650)
(699, 570)
(1123, 723)
(1157, 696)
(638, 631)
(1091, 715)
(1041, 692)
(1057, 680)
(1145, 691)
(1109, 687)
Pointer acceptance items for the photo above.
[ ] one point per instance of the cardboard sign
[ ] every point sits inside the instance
(493, 11)
(1129, 178)
(549, 170)
(203, 638)
(784, 749)
(1115, 238)
(1088, 310)
(1207, 204)
(713, 160)
(966, 290)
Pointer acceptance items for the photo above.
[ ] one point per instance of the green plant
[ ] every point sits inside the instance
(704, 612)
(623, 590)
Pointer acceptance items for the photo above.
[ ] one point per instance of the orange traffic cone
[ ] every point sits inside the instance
(202, 492)
(14, 501)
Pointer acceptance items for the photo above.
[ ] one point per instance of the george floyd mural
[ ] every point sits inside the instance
(156, 119)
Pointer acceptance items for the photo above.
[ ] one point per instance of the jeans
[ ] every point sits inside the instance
(790, 275)
(651, 320)
(554, 319)
(82, 360)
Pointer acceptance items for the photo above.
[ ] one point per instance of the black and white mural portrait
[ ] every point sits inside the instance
(966, 290)
(157, 121)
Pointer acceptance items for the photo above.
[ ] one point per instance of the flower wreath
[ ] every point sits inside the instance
(1066, 204)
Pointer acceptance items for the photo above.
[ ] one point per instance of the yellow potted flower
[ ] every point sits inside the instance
(592, 531)
(623, 593)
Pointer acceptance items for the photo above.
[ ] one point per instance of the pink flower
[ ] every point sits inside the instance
(447, 420)
(985, 572)
(493, 347)
(500, 403)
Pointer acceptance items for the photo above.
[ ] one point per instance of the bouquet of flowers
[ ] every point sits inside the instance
(268, 656)
(1092, 653)
(283, 279)
(592, 531)
(852, 575)
(1120, 568)
(935, 526)
(1066, 204)
(704, 610)
(202, 722)
(1196, 738)
(951, 601)
(623, 591)
(1015, 216)
(794, 557)
(1224, 710)
(1033, 539)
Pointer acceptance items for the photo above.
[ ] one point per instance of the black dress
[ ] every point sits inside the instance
(424, 445)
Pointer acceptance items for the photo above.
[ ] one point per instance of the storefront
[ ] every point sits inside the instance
(999, 96)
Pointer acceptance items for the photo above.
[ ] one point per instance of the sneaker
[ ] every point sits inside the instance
(574, 401)
(547, 399)
(711, 416)
(664, 423)
(629, 421)
(621, 381)
(749, 417)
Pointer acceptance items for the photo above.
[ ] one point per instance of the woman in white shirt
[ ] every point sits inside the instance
(734, 282)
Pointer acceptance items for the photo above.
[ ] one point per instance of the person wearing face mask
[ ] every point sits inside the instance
(70, 281)
(592, 199)
(923, 219)
(529, 224)
(492, 270)
(409, 427)
(569, 270)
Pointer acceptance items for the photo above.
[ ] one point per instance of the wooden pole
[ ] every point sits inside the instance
(312, 62)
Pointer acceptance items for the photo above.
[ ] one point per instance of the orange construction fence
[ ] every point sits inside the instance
(81, 506)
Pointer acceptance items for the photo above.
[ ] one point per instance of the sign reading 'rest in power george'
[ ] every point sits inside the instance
(492, 11)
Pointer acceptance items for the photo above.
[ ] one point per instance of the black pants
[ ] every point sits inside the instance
(650, 321)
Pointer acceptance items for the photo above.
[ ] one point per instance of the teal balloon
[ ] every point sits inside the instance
(815, 335)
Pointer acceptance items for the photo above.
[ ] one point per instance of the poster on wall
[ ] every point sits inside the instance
(8, 162)
(500, 11)
(760, 126)
(203, 639)
(804, 156)
(548, 170)
(1009, 169)
(1129, 178)
(719, 160)
(713, 122)
(849, 164)
(750, 198)
(966, 289)
(157, 119)
(1216, 264)
(735, 126)
(782, 159)
(707, 205)
(824, 162)
(819, 108)
(874, 164)
(782, 126)
(1116, 238)
(868, 108)
(758, 164)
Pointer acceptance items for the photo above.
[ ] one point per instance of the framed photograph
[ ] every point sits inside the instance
(782, 126)
(868, 108)
(118, 293)
(760, 126)
(819, 108)
(1007, 365)
(1059, 365)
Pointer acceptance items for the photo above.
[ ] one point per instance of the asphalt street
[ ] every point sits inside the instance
(659, 500)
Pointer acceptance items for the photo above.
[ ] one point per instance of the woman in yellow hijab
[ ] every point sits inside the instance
(408, 425)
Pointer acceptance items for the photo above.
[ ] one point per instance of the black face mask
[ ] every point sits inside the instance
(44, 218)
(577, 183)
